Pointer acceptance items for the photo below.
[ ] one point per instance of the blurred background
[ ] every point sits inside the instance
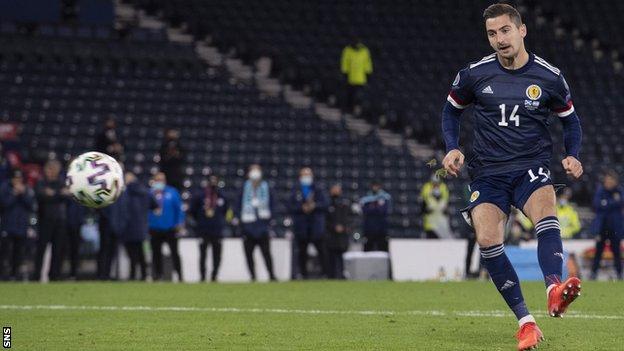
(345, 93)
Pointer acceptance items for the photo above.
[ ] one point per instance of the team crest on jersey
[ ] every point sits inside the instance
(474, 196)
(534, 92)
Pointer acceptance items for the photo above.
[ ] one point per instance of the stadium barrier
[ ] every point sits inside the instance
(410, 259)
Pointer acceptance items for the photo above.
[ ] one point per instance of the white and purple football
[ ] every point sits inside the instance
(95, 179)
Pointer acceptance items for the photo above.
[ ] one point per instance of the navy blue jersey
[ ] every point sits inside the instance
(511, 112)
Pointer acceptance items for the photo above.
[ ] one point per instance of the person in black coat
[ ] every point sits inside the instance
(109, 141)
(308, 205)
(76, 214)
(338, 231)
(112, 222)
(138, 201)
(52, 197)
(209, 208)
(608, 223)
(17, 202)
(172, 159)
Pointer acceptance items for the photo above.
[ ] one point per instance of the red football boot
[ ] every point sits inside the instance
(562, 295)
(529, 336)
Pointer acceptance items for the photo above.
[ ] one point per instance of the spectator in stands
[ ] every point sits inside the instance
(5, 165)
(607, 225)
(138, 202)
(309, 208)
(356, 65)
(17, 202)
(165, 222)
(112, 221)
(255, 210)
(209, 208)
(52, 197)
(172, 158)
(76, 215)
(435, 199)
(338, 231)
(109, 141)
(568, 216)
(376, 206)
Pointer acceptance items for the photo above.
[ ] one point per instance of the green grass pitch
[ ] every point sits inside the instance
(316, 315)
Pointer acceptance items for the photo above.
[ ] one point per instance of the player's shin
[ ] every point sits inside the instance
(549, 250)
(506, 280)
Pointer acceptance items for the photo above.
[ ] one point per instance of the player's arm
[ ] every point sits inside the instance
(563, 107)
(458, 99)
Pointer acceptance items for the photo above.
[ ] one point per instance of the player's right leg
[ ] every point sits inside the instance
(489, 223)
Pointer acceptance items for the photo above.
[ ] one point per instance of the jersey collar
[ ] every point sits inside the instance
(519, 70)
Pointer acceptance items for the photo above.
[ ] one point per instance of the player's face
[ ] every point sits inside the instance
(505, 37)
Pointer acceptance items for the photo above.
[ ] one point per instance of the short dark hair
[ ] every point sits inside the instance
(612, 173)
(496, 10)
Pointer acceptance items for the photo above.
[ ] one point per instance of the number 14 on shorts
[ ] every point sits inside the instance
(545, 175)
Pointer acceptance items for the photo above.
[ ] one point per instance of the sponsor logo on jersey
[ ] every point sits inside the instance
(487, 90)
(534, 92)
(474, 196)
(531, 105)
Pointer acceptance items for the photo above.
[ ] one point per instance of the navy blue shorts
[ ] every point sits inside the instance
(506, 190)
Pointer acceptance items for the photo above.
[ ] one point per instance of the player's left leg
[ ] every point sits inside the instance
(540, 208)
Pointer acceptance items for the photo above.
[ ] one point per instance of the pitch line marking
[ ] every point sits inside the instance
(434, 313)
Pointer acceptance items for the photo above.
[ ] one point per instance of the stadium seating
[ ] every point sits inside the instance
(61, 84)
(417, 47)
(66, 80)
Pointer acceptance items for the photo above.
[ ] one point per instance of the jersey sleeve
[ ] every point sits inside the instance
(461, 94)
(561, 99)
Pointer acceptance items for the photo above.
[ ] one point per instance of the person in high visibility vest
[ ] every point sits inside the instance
(568, 216)
(356, 65)
(435, 198)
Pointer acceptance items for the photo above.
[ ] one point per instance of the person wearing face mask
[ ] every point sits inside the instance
(338, 231)
(376, 206)
(209, 208)
(435, 198)
(568, 216)
(109, 141)
(165, 222)
(309, 207)
(17, 202)
(607, 225)
(255, 211)
(112, 221)
(138, 202)
(172, 158)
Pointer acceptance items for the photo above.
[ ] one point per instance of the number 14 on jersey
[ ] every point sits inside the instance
(513, 117)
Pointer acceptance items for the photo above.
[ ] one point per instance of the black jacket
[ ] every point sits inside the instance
(338, 214)
(16, 209)
(52, 208)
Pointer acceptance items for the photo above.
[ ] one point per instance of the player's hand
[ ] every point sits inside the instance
(453, 162)
(572, 166)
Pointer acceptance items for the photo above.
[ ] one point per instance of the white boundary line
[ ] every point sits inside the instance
(469, 314)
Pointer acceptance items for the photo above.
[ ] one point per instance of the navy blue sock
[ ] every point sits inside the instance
(550, 249)
(505, 278)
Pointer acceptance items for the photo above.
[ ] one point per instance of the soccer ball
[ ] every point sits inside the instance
(95, 179)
